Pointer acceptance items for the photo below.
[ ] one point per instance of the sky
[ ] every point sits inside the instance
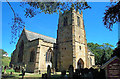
(46, 24)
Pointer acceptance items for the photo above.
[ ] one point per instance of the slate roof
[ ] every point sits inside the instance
(112, 59)
(90, 52)
(32, 36)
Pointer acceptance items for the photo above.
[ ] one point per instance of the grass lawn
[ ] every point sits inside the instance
(17, 75)
(8, 70)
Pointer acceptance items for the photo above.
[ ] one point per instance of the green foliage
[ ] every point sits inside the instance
(5, 61)
(102, 52)
(52, 7)
(112, 15)
(3, 52)
(32, 8)
(116, 51)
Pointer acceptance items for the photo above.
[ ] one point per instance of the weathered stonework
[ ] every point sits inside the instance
(70, 47)
(71, 40)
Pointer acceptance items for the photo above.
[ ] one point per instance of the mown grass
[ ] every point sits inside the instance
(16, 75)
(8, 70)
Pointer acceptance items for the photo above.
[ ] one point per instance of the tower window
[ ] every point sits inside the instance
(78, 21)
(80, 47)
(65, 21)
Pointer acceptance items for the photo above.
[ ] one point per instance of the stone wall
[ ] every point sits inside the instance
(28, 47)
(64, 42)
(44, 47)
(71, 40)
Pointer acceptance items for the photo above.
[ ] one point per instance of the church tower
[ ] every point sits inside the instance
(71, 41)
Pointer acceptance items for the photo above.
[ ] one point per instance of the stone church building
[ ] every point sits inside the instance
(37, 51)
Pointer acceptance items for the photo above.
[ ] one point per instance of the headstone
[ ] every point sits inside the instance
(48, 71)
(63, 72)
(5, 69)
(39, 72)
(11, 73)
(44, 76)
(54, 71)
(71, 71)
(90, 76)
(17, 69)
(23, 72)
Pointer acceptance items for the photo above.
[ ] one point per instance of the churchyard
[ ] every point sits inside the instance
(68, 56)
(10, 73)
(110, 69)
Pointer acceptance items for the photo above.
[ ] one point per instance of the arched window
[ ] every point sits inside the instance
(49, 55)
(90, 61)
(78, 21)
(32, 56)
(21, 51)
(65, 21)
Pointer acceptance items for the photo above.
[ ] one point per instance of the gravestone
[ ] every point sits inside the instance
(17, 69)
(44, 76)
(23, 72)
(39, 71)
(5, 69)
(71, 71)
(54, 72)
(112, 68)
(48, 71)
(63, 74)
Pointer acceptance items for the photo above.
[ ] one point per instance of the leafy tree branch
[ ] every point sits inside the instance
(112, 15)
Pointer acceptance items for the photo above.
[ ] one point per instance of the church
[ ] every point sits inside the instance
(37, 51)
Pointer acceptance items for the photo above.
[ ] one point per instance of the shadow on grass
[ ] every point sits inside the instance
(23, 78)
(7, 76)
(13, 77)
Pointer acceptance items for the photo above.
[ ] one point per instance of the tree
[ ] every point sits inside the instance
(116, 51)
(3, 52)
(33, 8)
(112, 15)
(102, 52)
